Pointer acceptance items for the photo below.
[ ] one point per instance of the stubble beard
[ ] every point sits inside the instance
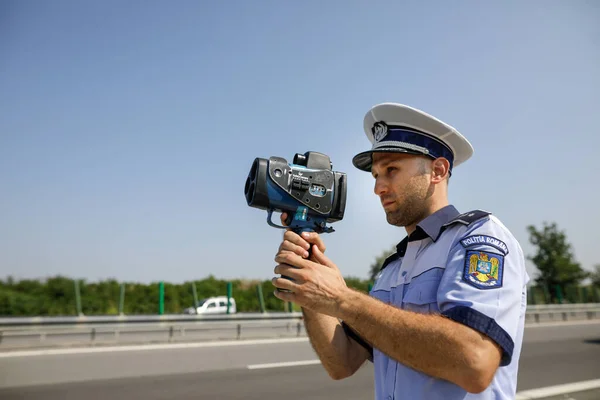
(413, 208)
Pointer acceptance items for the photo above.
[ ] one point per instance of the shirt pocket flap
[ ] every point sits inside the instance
(382, 295)
(422, 292)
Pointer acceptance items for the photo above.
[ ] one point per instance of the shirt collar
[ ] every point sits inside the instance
(432, 226)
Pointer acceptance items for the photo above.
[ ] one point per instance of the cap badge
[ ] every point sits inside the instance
(379, 130)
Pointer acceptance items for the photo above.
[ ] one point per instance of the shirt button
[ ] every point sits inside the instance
(389, 398)
(403, 273)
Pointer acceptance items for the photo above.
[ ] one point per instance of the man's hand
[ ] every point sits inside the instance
(317, 283)
(299, 244)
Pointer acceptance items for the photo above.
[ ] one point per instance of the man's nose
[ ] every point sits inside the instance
(381, 187)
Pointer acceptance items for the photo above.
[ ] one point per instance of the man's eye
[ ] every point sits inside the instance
(391, 169)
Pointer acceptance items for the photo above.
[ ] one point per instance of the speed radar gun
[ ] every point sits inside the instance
(307, 190)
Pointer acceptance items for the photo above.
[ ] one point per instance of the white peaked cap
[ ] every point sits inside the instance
(398, 128)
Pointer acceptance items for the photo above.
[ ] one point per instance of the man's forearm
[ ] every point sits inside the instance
(337, 353)
(432, 344)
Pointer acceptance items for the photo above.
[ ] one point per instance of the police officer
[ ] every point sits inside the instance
(445, 317)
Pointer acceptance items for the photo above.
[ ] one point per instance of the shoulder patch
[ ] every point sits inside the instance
(483, 269)
(475, 240)
(469, 217)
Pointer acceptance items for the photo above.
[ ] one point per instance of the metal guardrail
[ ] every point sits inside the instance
(65, 331)
(566, 306)
(565, 311)
(137, 319)
(56, 331)
(532, 310)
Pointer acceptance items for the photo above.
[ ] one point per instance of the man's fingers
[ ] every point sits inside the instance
(290, 247)
(290, 258)
(282, 283)
(285, 296)
(283, 217)
(321, 258)
(314, 238)
(288, 271)
(296, 239)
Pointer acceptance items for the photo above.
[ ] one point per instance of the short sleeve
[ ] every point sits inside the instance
(358, 339)
(483, 283)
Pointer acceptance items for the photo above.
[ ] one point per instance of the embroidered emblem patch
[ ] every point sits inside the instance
(379, 131)
(487, 240)
(483, 269)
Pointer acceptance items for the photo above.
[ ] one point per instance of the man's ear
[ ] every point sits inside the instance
(440, 169)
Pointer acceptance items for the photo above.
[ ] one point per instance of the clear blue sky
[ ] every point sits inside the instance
(127, 129)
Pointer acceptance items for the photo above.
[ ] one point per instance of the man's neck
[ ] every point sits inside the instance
(433, 207)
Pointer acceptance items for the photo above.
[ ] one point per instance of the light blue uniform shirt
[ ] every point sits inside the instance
(469, 268)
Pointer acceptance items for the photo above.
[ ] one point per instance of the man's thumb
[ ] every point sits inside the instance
(320, 257)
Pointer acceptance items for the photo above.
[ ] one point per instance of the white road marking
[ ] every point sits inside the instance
(568, 388)
(284, 364)
(166, 346)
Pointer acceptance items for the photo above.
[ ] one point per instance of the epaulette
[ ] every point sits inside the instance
(468, 218)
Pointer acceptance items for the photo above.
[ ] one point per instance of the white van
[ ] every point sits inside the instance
(213, 305)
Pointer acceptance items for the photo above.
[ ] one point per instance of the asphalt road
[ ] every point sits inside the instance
(551, 356)
(584, 395)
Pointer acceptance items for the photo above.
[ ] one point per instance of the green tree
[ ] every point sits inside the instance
(357, 283)
(554, 259)
(595, 276)
(56, 296)
(376, 265)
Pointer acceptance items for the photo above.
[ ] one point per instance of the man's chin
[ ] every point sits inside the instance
(394, 219)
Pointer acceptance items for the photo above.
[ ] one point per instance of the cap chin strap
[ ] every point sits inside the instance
(404, 145)
(416, 141)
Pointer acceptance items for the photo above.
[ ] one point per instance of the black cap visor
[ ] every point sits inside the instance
(364, 160)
